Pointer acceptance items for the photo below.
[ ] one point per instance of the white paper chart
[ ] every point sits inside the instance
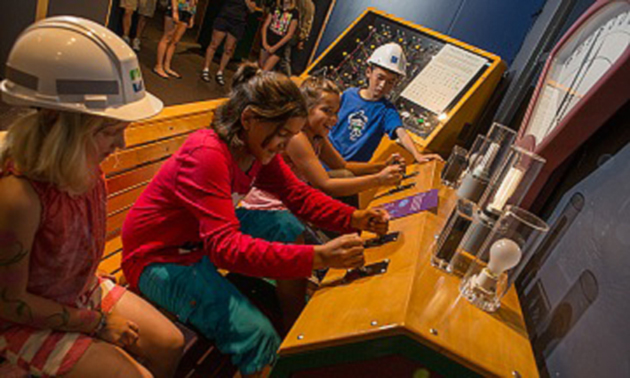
(448, 73)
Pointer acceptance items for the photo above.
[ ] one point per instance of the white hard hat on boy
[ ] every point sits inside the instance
(391, 57)
(69, 63)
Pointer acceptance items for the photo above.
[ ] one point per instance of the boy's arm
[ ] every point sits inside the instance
(408, 144)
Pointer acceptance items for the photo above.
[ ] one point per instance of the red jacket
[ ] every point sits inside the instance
(189, 203)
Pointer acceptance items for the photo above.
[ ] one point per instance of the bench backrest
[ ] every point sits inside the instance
(129, 171)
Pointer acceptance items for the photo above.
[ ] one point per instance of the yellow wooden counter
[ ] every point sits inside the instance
(409, 321)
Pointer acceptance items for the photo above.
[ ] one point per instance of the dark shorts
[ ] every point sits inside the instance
(184, 16)
(272, 40)
(233, 27)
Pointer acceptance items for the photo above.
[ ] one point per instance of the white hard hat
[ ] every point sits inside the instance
(69, 63)
(391, 57)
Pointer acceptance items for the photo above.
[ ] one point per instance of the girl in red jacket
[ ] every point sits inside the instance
(183, 227)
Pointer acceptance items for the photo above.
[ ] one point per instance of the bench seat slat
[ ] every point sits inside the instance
(131, 158)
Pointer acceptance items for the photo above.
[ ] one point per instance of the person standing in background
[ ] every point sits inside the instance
(280, 26)
(307, 13)
(179, 16)
(230, 25)
(146, 9)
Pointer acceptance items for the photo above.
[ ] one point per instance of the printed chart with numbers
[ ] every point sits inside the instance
(443, 79)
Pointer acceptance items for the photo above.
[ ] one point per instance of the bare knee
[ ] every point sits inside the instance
(174, 341)
(229, 51)
(169, 344)
(214, 45)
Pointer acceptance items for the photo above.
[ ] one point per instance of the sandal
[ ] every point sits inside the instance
(205, 75)
(220, 80)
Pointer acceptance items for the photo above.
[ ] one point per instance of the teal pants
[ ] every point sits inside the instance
(200, 296)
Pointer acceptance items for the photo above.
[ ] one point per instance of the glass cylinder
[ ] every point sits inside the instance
(454, 166)
(512, 181)
(502, 257)
(475, 151)
(471, 243)
(446, 242)
(490, 156)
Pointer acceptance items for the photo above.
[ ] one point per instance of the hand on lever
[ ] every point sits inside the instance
(396, 159)
(373, 220)
(343, 252)
(391, 175)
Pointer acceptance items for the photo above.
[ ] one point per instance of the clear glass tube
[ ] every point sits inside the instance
(512, 181)
(471, 243)
(475, 151)
(454, 167)
(455, 228)
(502, 257)
(489, 159)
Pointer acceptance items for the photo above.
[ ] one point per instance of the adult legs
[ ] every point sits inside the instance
(180, 29)
(217, 38)
(163, 45)
(142, 23)
(228, 52)
(127, 22)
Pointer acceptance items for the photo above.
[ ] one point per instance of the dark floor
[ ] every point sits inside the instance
(188, 61)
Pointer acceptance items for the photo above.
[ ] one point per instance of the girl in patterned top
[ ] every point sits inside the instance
(280, 26)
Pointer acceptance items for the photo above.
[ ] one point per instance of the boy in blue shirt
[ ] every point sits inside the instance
(366, 115)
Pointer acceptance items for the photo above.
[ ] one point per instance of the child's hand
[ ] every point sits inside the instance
(391, 175)
(345, 251)
(396, 158)
(175, 16)
(373, 220)
(191, 22)
(119, 331)
(428, 157)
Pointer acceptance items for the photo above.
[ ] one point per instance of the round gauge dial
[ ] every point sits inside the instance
(578, 65)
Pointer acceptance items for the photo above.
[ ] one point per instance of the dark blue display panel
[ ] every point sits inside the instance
(496, 26)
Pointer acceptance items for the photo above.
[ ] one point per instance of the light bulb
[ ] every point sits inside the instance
(504, 255)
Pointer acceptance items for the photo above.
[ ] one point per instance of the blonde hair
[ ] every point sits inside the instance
(314, 87)
(54, 147)
(271, 96)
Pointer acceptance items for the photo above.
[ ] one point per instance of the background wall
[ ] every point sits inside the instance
(498, 26)
(95, 10)
(15, 16)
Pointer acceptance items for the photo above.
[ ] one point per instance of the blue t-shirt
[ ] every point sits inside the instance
(362, 124)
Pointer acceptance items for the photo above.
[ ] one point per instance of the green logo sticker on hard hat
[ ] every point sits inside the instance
(136, 77)
(134, 74)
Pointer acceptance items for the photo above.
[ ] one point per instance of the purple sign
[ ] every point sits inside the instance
(412, 204)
